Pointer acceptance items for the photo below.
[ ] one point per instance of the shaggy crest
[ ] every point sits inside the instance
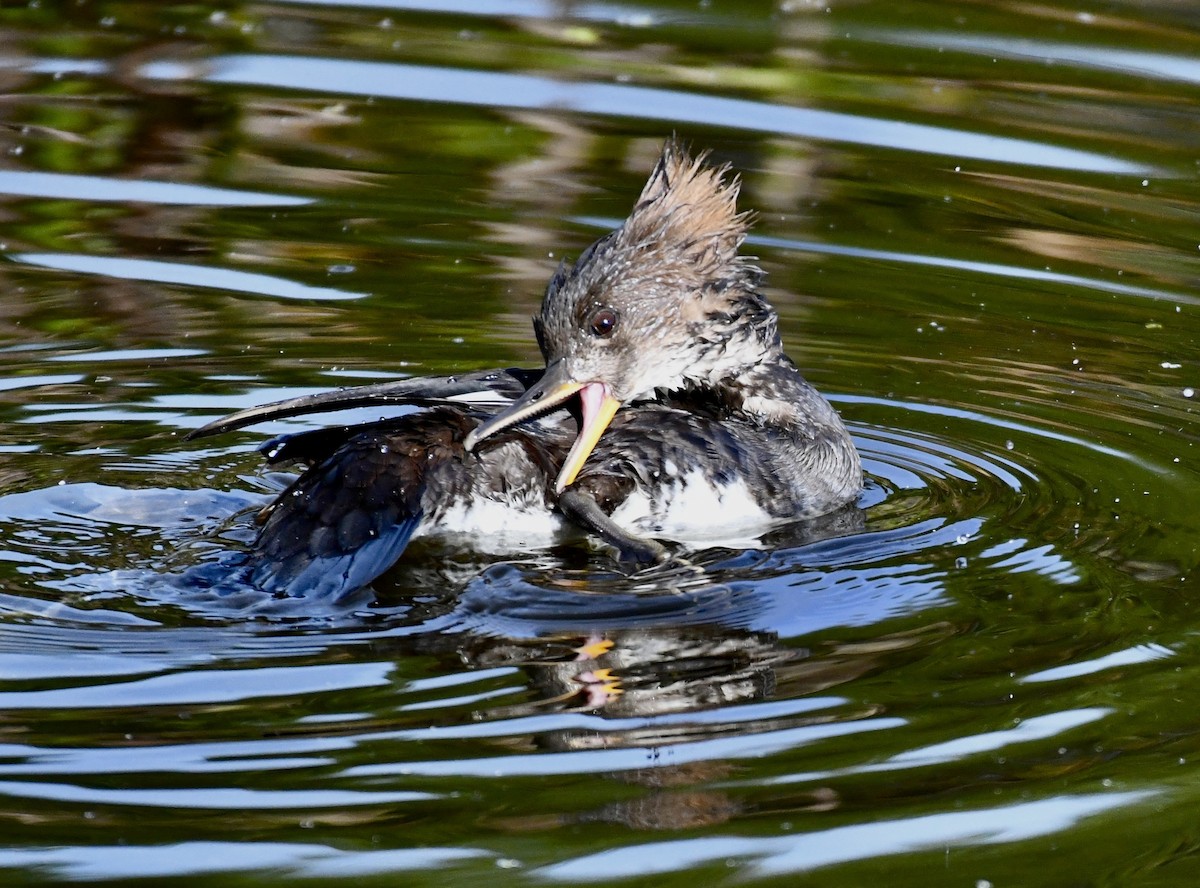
(691, 207)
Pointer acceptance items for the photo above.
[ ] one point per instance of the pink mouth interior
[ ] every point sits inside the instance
(591, 396)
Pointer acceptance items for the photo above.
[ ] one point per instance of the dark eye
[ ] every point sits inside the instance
(603, 323)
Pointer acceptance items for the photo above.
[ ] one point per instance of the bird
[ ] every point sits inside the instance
(667, 410)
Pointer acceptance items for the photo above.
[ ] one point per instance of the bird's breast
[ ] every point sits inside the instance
(693, 507)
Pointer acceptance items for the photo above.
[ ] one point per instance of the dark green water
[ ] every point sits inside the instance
(982, 228)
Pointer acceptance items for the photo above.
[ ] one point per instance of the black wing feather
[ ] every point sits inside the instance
(423, 391)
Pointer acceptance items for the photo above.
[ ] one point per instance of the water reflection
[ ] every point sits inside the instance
(816, 850)
(180, 273)
(1108, 58)
(128, 861)
(524, 92)
(63, 186)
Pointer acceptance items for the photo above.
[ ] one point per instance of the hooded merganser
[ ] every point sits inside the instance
(666, 408)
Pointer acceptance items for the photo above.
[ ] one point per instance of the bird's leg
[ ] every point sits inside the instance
(586, 512)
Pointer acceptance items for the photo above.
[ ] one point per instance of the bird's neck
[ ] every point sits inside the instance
(773, 393)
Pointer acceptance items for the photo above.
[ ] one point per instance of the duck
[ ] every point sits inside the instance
(666, 412)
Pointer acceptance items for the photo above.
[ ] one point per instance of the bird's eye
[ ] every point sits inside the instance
(603, 323)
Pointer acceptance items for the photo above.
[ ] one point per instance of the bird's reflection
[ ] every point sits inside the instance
(665, 688)
(672, 662)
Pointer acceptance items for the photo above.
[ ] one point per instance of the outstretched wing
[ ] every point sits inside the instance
(487, 390)
(349, 516)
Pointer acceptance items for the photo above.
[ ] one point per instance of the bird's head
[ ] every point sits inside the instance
(664, 303)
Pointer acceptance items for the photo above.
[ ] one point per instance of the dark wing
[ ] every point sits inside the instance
(487, 389)
(349, 516)
(347, 519)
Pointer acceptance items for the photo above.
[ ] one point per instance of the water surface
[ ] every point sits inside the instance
(982, 229)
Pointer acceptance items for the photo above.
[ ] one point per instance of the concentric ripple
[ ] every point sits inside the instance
(933, 501)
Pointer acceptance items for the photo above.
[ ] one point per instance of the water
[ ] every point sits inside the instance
(982, 229)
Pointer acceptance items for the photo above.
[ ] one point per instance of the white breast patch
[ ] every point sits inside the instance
(691, 510)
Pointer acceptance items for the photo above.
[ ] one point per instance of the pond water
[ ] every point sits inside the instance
(981, 223)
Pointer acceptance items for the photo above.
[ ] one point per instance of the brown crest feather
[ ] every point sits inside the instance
(691, 206)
